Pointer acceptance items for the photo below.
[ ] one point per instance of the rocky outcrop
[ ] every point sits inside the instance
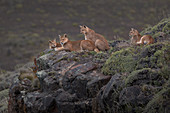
(125, 79)
(69, 81)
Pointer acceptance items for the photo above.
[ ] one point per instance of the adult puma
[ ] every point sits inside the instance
(99, 40)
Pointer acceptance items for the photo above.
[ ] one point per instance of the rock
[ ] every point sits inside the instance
(105, 99)
(133, 96)
(68, 82)
(42, 61)
(82, 68)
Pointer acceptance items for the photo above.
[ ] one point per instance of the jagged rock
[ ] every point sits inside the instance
(133, 96)
(105, 99)
(68, 82)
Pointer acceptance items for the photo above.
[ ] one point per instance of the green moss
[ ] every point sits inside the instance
(148, 29)
(76, 59)
(156, 35)
(153, 56)
(135, 75)
(63, 58)
(2, 71)
(158, 58)
(162, 26)
(4, 101)
(166, 28)
(92, 52)
(159, 102)
(4, 93)
(120, 61)
(164, 72)
(111, 50)
(162, 56)
(100, 54)
(85, 55)
(143, 63)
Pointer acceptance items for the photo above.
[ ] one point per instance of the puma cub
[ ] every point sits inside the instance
(99, 40)
(137, 39)
(76, 45)
(53, 44)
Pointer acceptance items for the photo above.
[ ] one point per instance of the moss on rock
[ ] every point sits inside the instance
(4, 100)
(120, 61)
(160, 102)
(131, 59)
(153, 56)
(145, 73)
(166, 28)
(162, 26)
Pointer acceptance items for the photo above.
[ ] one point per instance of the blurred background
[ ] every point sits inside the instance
(27, 25)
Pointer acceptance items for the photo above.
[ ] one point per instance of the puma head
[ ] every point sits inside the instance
(133, 32)
(84, 29)
(52, 44)
(63, 39)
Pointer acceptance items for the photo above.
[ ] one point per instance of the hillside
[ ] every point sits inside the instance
(125, 79)
(27, 25)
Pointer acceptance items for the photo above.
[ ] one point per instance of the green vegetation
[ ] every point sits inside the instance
(120, 61)
(162, 27)
(166, 28)
(4, 100)
(131, 59)
(159, 102)
(135, 75)
(153, 56)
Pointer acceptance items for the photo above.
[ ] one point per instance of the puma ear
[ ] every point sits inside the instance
(132, 29)
(85, 26)
(59, 36)
(80, 26)
(65, 35)
(50, 41)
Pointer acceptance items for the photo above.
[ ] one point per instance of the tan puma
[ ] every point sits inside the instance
(99, 40)
(135, 36)
(137, 39)
(146, 39)
(53, 44)
(76, 45)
